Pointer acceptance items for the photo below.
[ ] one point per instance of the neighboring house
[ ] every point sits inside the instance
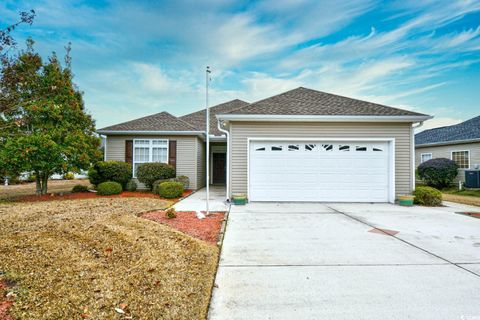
(460, 142)
(301, 145)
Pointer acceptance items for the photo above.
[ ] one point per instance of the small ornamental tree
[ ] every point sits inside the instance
(438, 173)
(44, 128)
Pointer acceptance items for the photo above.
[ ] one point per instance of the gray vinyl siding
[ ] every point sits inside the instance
(445, 151)
(201, 160)
(186, 153)
(241, 131)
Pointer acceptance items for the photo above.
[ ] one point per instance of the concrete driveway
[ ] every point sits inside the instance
(331, 261)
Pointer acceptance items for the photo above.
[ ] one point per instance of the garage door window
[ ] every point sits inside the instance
(327, 147)
(293, 147)
(344, 148)
(311, 147)
(277, 148)
(360, 148)
(260, 149)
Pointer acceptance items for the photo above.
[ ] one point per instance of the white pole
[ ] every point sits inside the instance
(207, 120)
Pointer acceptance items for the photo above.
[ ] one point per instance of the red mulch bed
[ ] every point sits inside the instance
(91, 195)
(207, 229)
(5, 303)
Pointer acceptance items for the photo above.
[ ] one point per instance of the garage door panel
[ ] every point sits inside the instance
(319, 171)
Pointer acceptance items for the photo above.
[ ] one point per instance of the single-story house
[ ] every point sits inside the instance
(301, 145)
(460, 143)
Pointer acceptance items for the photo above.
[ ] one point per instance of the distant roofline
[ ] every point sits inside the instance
(434, 144)
(149, 132)
(326, 118)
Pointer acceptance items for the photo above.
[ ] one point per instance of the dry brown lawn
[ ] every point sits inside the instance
(54, 186)
(84, 258)
(473, 201)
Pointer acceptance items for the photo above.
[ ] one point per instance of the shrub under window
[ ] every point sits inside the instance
(103, 171)
(131, 186)
(148, 173)
(108, 188)
(438, 173)
(427, 196)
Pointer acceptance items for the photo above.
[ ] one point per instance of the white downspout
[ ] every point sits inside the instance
(227, 133)
(412, 150)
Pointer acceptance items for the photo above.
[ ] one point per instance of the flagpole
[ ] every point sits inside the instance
(207, 121)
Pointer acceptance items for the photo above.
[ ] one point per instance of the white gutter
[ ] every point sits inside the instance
(140, 132)
(446, 143)
(325, 118)
(227, 133)
(412, 152)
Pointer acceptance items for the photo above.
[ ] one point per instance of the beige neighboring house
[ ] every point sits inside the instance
(460, 142)
(301, 145)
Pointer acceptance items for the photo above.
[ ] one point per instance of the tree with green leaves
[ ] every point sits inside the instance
(44, 128)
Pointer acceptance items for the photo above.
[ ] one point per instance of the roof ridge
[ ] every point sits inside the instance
(215, 106)
(181, 120)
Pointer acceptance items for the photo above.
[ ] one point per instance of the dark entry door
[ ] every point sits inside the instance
(219, 168)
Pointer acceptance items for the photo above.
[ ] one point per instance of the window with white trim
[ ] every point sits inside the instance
(149, 150)
(425, 157)
(462, 159)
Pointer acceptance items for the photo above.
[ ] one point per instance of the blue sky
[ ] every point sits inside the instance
(133, 58)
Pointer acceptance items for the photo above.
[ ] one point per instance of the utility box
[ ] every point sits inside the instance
(472, 179)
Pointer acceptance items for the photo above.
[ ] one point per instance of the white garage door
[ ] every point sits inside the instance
(346, 171)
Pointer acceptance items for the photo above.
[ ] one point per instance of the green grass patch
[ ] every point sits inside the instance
(467, 192)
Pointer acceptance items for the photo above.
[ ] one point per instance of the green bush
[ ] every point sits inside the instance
(108, 188)
(79, 188)
(31, 177)
(116, 171)
(170, 189)
(69, 176)
(427, 196)
(148, 173)
(157, 183)
(131, 185)
(438, 173)
(183, 180)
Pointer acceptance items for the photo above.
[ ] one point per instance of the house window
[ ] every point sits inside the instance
(425, 157)
(149, 150)
(461, 158)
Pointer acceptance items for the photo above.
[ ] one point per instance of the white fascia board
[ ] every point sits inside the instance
(323, 118)
(150, 133)
(444, 143)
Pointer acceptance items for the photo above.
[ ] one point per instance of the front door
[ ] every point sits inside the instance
(219, 168)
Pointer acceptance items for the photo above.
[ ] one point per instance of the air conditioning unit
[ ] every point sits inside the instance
(472, 179)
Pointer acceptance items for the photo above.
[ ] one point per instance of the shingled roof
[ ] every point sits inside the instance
(197, 119)
(162, 121)
(303, 101)
(468, 130)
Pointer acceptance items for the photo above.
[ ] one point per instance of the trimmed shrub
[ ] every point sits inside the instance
(157, 183)
(69, 176)
(427, 196)
(131, 186)
(170, 213)
(31, 177)
(170, 189)
(183, 180)
(79, 188)
(148, 173)
(108, 188)
(116, 171)
(438, 173)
